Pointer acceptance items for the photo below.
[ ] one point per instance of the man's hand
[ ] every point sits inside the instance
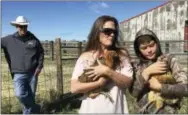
(37, 72)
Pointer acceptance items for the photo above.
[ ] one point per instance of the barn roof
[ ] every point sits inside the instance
(145, 12)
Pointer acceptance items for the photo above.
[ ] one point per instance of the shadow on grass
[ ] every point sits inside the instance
(61, 103)
(50, 104)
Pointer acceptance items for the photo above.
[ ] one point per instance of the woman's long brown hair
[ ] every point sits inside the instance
(93, 43)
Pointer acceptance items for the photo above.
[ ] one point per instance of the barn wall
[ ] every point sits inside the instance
(167, 21)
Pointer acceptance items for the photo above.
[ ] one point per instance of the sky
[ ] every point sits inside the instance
(68, 20)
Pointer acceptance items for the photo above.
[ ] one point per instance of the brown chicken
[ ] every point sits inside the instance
(109, 59)
(155, 97)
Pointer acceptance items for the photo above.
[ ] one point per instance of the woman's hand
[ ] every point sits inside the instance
(102, 81)
(154, 84)
(97, 71)
(155, 68)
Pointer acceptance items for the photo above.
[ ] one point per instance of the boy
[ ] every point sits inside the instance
(148, 50)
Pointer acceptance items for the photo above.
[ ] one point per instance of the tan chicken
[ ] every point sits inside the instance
(166, 78)
(109, 59)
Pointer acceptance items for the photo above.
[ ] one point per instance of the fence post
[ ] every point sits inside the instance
(59, 85)
(45, 47)
(186, 36)
(166, 47)
(52, 49)
(79, 48)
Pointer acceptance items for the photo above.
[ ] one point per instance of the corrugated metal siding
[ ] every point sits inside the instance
(166, 21)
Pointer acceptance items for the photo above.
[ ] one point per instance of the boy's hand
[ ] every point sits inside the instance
(155, 68)
(155, 84)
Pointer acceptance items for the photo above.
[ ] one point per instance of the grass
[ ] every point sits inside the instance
(133, 106)
(46, 83)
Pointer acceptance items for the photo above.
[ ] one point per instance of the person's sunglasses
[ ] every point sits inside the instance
(19, 26)
(109, 31)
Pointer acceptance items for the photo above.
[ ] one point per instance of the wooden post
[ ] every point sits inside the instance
(186, 36)
(79, 48)
(59, 74)
(52, 49)
(46, 48)
(166, 47)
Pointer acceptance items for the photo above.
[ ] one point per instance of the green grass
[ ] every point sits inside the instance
(133, 106)
(47, 82)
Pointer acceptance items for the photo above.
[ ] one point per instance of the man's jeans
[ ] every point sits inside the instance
(25, 87)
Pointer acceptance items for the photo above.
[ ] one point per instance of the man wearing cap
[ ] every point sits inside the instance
(25, 56)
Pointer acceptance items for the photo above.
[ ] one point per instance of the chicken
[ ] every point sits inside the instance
(109, 59)
(155, 97)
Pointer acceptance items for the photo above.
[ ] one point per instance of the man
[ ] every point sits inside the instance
(25, 56)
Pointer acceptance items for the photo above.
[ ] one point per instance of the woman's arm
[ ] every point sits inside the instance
(123, 78)
(123, 81)
(76, 85)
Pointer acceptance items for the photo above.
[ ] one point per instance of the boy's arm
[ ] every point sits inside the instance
(180, 77)
(178, 90)
(139, 84)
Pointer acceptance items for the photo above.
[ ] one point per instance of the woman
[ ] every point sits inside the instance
(148, 50)
(103, 37)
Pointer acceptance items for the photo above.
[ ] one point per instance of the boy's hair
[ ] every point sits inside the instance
(144, 39)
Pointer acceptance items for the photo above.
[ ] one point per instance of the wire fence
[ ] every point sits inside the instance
(46, 82)
(70, 51)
